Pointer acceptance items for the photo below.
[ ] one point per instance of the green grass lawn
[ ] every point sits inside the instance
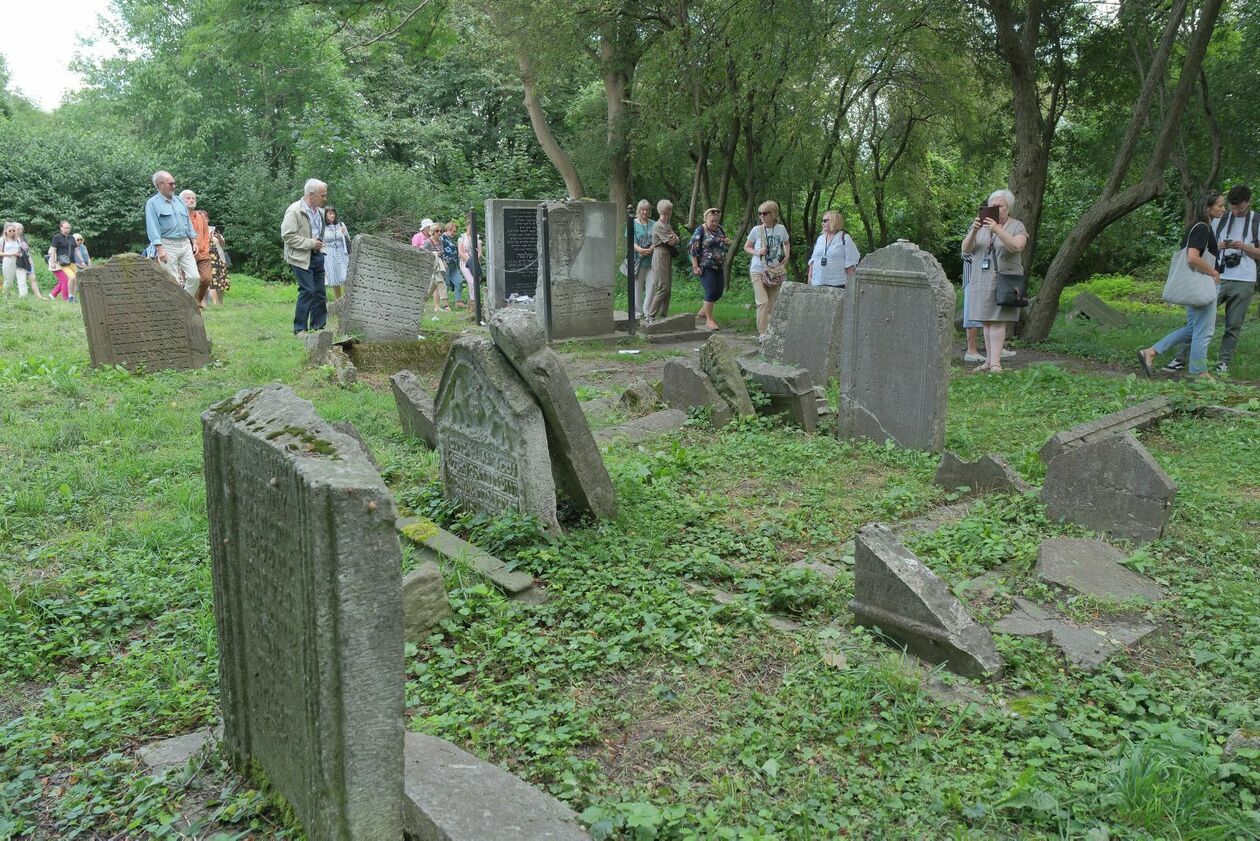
(654, 711)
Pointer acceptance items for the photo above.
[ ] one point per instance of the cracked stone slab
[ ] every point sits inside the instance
(1092, 567)
(788, 388)
(685, 386)
(719, 363)
(804, 330)
(988, 473)
(425, 603)
(435, 543)
(648, 426)
(1140, 416)
(167, 754)
(1085, 646)
(415, 407)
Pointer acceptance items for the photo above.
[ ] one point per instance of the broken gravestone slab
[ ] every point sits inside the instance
(318, 345)
(1093, 568)
(492, 436)
(575, 459)
(438, 544)
(639, 396)
(582, 239)
(988, 473)
(717, 360)
(641, 429)
(1083, 646)
(1112, 485)
(415, 407)
(173, 753)
(894, 591)
(425, 604)
(308, 609)
(1140, 416)
(1090, 306)
(387, 284)
(805, 330)
(684, 386)
(788, 388)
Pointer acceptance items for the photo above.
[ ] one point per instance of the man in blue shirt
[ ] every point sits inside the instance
(171, 233)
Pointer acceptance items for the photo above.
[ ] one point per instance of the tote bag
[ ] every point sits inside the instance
(1187, 286)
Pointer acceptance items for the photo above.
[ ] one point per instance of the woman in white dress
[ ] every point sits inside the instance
(336, 252)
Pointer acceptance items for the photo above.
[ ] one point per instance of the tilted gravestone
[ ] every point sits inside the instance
(576, 462)
(684, 386)
(805, 327)
(308, 608)
(788, 389)
(1089, 305)
(386, 287)
(1140, 416)
(137, 318)
(717, 360)
(415, 407)
(894, 591)
(512, 257)
(894, 368)
(582, 247)
(492, 436)
(1112, 485)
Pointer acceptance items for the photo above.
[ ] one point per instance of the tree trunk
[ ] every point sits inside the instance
(542, 130)
(616, 90)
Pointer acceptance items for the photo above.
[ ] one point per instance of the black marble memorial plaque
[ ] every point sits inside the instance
(520, 251)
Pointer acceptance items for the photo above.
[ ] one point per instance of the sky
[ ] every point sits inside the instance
(38, 60)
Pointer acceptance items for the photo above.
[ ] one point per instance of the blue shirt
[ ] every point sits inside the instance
(166, 219)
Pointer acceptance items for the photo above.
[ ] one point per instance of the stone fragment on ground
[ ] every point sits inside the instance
(415, 407)
(425, 603)
(1087, 647)
(597, 406)
(681, 323)
(437, 544)
(1089, 306)
(349, 429)
(684, 386)
(894, 591)
(317, 346)
(639, 397)
(822, 568)
(641, 429)
(1139, 416)
(788, 389)
(988, 473)
(344, 372)
(1241, 740)
(173, 753)
(718, 361)
(451, 795)
(1093, 568)
(1111, 485)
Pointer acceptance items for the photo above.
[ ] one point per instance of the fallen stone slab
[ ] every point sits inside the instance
(1087, 647)
(1111, 485)
(718, 361)
(648, 426)
(597, 406)
(1090, 306)
(168, 754)
(425, 603)
(415, 407)
(988, 473)
(639, 396)
(1140, 416)
(1093, 568)
(681, 323)
(1241, 740)
(437, 544)
(826, 570)
(894, 591)
(684, 386)
(1227, 413)
(451, 795)
(788, 387)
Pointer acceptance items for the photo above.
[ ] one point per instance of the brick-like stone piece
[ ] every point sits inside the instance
(1140, 416)
(988, 473)
(788, 388)
(387, 284)
(1093, 568)
(425, 603)
(415, 407)
(1085, 646)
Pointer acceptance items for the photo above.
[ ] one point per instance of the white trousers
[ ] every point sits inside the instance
(181, 264)
(13, 274)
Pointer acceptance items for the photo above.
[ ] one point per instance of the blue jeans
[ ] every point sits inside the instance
(1197, 332)
(311, 312)
(454, 279)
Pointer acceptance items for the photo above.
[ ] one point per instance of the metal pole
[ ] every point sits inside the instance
(544, 260)
(631, 272)
(476, 263)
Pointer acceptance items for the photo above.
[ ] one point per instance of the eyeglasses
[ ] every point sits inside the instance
(763, 213)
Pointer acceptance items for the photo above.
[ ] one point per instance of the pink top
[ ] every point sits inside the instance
(418, 240)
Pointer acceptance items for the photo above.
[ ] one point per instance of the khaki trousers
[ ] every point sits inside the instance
(765, 297)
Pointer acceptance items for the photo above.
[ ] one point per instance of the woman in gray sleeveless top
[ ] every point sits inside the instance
(994, 247)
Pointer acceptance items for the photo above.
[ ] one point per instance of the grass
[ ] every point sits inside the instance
(654, 711)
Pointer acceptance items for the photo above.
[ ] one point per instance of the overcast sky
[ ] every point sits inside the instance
(40, 38)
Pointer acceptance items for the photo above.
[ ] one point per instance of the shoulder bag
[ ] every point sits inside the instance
(1187, 286)
(772, 275)
(1011, 289)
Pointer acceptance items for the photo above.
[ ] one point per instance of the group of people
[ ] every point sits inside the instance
(453, 252)
(184, 243)
(67, 255)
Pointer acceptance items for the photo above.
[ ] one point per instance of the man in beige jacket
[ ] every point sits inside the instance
(301, 232)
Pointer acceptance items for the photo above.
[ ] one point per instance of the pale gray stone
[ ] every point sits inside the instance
(308, 608)
(822, 568)
(347, 428)
(894, 591)
(511, 249)
(576, 463)
(598, 406)
(425, 603)
(492, 436)
(1083, 646)
(437, 544)
(788, 388)
(787, 626)
(173, 753)
(680, 323)
(386, 287)
(1241, 740)
(1140, 416)
(452, 795)
(804, 330)
(684, 386)
(988, 473)
(1112, 485)
(639, 396)
(583, 237)
(317, 347)
(1093, 568)
(1090, 306)
(344, 372)
(415, 407)
(894, 368)
(136, 317)
(718, 361)
(648, 426)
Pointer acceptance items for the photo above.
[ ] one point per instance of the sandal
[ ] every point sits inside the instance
(980, 369)
(1146, 364)
(997, 369)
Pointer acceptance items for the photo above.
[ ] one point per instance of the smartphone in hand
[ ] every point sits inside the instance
(989, 211)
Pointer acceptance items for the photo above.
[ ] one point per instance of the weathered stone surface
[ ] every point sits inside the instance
(1090, 306)
(492, 436)
(1084, 646)
(581, 252)
(1241, 740)
(386, 286)
(1093, 568)
(578, 467)
(308, 607)
(1112, 485)
(438, 544)
(718, 361)
(425, 603)
(349, 429)
(988, 473)
(344, 372)
(895, 591)
(685, 386)
(598, 406)
(805, 327)
(681, 323)
(788, 388)
(415, 407)
(639, 396)
(648, 426)
(512, 249)
(1140, 416)
(172, 753)
(137, 318)
(452, 795)
(317, 347)
(822, 568)
(894, 368)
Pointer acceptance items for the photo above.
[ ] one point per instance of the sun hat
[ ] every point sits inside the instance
(426, 224)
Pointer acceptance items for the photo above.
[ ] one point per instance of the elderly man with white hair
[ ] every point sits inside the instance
(170, 232)
(301, 232)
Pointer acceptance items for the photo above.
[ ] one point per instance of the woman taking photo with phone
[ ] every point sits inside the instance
(994, 243)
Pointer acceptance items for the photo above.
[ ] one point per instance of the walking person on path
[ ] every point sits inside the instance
(201, 246)
(25, 261)
(170, 232)
(708, 247)
(61, 262)
(664, 247)
(301, 231)
(11, 251)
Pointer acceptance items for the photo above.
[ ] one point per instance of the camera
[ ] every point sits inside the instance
(1231, 261)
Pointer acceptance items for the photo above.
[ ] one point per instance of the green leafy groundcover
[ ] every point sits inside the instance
(653, 710)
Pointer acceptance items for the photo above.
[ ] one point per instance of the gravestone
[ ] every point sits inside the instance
(717, 360)
(425, 603)
(1112, 485)
(512, 242)
(1140, 416)
(135, 317)
(492, 437)
(894, 368)
(988, 473)
(805, 327)
(415, 407)
(575, 460)
(1093, 568)
(582, 250)
(1085, 646)
(308, 608)
(1090, 306)
(894, 591)
(639, 397)
(386, 287)
(684, 386)
(788, 388)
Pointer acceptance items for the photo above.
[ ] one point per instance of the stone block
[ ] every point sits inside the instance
(894, 591)
(438, 544)
(894, 368)
(788, 388)
(639, 396)
(344, 372)
(988, 473)
(1090, 306)
(684, 386)
(805, 327)
(1093, 568)
(718, 361)
(512, 249)
(308, 608)
(648, 426)
(317, 347)
(681, 323)
(1111, 485)
(1085, 646)
(425, 604)
(173, 753)
(386, 286)
(415, 407)
(582, 247)
(1140, 416)
(137, 318)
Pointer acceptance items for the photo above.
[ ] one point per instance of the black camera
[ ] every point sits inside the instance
(1231, 261)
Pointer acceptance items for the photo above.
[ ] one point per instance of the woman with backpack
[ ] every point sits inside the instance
(768, 244)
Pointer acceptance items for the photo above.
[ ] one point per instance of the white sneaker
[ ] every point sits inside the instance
(973, 357)
(1007, 354)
